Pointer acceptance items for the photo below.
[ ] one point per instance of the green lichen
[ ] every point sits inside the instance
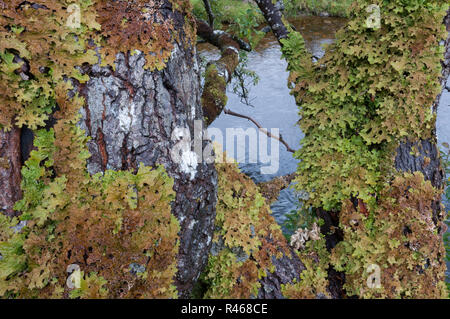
(103, 223)
(245, 240)
(313, 281)
(41, 46)
(373, 89)
(377, 88)
(399, 236)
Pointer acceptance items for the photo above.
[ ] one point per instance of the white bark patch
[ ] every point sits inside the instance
(234, 49)
(182, 153)
(126, 117)
(189, 164)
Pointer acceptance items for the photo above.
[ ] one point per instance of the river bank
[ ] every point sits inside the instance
(231, 11)
(324, 8)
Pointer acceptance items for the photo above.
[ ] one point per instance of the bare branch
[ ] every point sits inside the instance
(274, 17)
(209, 12)
(280, 138)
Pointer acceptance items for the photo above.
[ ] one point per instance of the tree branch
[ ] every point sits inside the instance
(209, 12)
(219, 38)
(280, 138)
(218, 73)
(274, 17)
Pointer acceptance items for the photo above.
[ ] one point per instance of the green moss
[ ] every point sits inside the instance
(214, 91)
(226, 11)
(240, 18)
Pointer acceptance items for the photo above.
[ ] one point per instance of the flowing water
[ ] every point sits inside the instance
(274, 107)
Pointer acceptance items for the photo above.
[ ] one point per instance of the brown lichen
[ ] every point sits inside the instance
(246, 238)
(401, 236)
(116, 226)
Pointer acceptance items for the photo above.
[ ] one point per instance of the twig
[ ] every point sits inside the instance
(280, 138)
(209, 12)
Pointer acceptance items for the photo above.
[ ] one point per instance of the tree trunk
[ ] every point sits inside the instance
(132, 115)
(135, 115)
(10, 165)
(427, 161)
(287, 269)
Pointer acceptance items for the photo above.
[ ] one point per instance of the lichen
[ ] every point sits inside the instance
(313, 281)
(104, 222)
(246, 238)
(372, 90)
(41, 43)
(401, 236)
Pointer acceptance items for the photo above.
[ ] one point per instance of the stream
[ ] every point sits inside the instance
(274, 107)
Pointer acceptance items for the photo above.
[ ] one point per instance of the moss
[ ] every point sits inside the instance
(240, 18)
(214, 92)
(340, 8)
(226, 11)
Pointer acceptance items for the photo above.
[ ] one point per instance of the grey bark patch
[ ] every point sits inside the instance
(287, 268)
(407, 162)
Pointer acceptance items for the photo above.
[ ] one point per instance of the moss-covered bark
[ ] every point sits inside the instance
(368, 117)
(218, 73)
(250, 257)
(10, 164)
(118, 78)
